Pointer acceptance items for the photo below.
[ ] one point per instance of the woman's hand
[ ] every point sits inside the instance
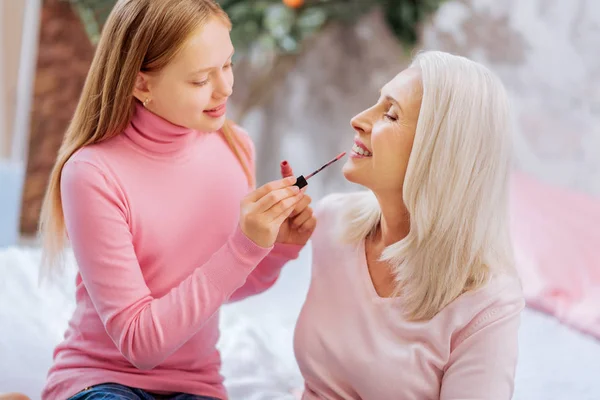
(264, 210)
(301, 223)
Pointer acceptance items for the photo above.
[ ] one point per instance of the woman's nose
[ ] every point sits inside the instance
(361, 124)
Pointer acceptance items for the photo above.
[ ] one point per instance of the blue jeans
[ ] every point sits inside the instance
(114, 391)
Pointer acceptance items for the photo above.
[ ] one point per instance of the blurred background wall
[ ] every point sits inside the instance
(64, 56)
(544, 50)
(11, 25)
(295, 93)
(18, 38)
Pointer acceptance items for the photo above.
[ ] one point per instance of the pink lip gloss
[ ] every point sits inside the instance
(301, 181)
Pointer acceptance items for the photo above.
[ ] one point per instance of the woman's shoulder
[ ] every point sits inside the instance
(501, 297)
(335, 204)
(500, 290)
(330, 203)
(342, 211)
(330, 209)
(333, 213)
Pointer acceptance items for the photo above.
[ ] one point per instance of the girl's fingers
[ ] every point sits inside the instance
(283, 216)
(300, 219)
(267, 188)
(301, 206)
(308, 226)
(283, 207)
(272, 199)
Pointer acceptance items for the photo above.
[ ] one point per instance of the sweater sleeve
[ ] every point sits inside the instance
(483, 363)
(146, 330)
(267, 272)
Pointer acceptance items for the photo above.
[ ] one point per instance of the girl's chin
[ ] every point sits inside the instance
(209, 124)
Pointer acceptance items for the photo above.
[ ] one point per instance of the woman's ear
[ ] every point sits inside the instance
(141, 89)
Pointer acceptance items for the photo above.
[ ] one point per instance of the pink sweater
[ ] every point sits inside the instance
(352, 344)
(152, 217)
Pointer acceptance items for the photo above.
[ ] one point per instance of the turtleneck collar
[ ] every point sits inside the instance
(157, 136)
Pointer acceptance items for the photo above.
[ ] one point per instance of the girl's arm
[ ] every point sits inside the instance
(267, 272)
(269, 269)
(145, 329)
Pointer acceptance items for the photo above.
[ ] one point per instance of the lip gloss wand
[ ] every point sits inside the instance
(301, 181)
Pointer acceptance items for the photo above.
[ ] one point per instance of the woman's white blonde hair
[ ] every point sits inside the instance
(456, 188)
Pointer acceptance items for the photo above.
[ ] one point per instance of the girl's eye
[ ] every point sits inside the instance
(201, 83)
(228, 65)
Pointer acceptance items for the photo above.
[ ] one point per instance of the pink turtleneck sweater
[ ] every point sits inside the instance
(152, 216)
(352, 344)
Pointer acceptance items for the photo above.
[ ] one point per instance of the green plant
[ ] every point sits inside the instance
(93, 14)
(278, 29)
(275, 26)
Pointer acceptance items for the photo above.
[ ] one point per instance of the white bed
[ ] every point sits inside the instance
(556, 363)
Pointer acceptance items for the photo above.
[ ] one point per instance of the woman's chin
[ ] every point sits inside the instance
(357, 175)
(350, 173)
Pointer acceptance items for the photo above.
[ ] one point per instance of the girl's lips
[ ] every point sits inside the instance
(217, 108)
(217, 111)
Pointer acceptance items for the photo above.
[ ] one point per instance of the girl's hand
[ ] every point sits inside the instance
(264, 210)
(299, 226)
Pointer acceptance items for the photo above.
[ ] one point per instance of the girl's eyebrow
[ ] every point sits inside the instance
(209, 68)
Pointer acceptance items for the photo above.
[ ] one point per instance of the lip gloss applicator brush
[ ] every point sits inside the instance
(301, 181)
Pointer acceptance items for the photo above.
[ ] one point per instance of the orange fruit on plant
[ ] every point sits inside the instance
(293, 3)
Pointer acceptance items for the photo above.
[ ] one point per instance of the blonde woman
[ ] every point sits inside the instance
(413, 292)
(154, 190)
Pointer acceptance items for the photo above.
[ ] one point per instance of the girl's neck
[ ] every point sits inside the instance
(156, 135)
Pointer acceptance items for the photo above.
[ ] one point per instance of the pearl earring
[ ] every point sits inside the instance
(145, 103)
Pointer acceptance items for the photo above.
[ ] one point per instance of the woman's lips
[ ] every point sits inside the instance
(359, 150)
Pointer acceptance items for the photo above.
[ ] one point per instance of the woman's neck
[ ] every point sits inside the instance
(395, 220)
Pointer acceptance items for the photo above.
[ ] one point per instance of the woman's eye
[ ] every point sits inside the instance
(230, 65)
(201, 83)
(391, 114)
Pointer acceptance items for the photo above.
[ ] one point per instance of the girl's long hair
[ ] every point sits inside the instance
(139, 35)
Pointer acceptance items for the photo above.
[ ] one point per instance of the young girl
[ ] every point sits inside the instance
(147, 187)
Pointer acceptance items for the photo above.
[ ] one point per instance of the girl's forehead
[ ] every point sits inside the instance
(208, 47)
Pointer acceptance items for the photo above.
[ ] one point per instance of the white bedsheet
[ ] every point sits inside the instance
(556, 363)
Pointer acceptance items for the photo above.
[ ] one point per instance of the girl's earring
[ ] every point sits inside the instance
(146, 102)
